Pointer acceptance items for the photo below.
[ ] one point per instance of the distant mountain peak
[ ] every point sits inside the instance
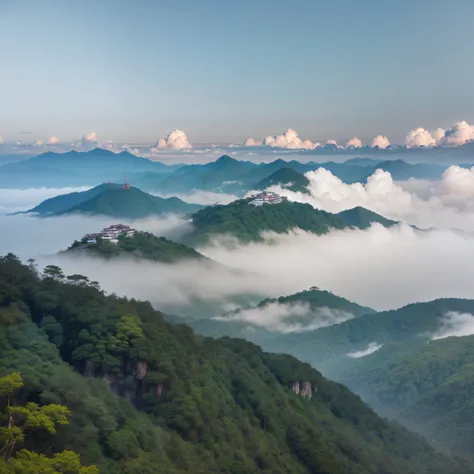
(226, 159)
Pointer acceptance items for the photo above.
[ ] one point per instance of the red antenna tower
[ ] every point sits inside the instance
(125, 184)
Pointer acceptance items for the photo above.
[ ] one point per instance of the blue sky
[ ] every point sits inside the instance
(225, 70)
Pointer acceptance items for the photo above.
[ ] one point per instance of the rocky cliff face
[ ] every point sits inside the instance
(304, 389)
(141, 370)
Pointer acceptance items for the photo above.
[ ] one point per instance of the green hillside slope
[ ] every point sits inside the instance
(143, 245)
(428, 386)
(288, 178)
(313, 305)
(362, 218)
(131, 203)
(246, 222)
(63, 202)
(147, 396)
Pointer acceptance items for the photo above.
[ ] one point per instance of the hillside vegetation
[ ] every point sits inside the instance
(429, 386)
(246, 222)
(287, 178)
(150, 397)
(143, 245)
(114, 201)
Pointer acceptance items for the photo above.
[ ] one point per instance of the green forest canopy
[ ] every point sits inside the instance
(147, 396)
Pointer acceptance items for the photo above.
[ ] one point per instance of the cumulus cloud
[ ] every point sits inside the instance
(89, 141)
(419, 137)
(176, 140)
(290, 140)
(53, 140)
(252, 142)
(457, 185)
(354, 143)
(438, 134)
(448, 203)
(380, 141)
(286, 317)
(1, 140)
(371, 348)
(459, 134)
(455, 324)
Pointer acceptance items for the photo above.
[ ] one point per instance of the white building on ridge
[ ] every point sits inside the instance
(266, 197)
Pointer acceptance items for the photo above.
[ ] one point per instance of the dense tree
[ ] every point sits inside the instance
(150, 397)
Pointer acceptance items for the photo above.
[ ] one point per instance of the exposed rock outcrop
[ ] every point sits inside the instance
(160, 390)
(306, 391)
(141, 370)
(296, 388)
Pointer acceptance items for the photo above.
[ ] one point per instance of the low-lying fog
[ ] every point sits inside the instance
(381, 268)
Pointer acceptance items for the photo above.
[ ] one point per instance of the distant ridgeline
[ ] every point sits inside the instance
(121, 240)
(147, 396)
(223, 175)
(113, 200)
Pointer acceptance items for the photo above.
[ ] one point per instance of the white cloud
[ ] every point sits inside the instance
(37, 143)
(371, 348)
(459, 134)
(378, 267)
(419, 137)
(290, 140)
(354, 143)
(89, 141)
(286, 317)
(203, 197)
(1, 140)
(448, 203)
(455, 324)
(380, 141)
(176, 140)
(252, 142)
(53, 140)
(457, 184)
(438, 134)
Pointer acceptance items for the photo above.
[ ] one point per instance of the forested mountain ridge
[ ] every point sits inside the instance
(316, 308)
(142, 245)
(114, 201)
(429, 386)
(148, 396)
(246, 222)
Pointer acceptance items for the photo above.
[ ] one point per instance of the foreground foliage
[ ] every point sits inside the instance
(150, 397)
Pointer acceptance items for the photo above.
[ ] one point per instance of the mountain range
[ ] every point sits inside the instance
(76, 169)
(223, 175)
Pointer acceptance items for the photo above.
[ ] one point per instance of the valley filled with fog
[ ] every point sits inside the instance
(378, 267)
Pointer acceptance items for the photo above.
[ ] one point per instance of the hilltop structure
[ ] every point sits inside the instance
(266, 198)
(111, 234)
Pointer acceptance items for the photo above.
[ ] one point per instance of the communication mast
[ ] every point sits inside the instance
(125, 184)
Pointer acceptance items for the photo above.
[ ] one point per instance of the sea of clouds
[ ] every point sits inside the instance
(378, 267)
